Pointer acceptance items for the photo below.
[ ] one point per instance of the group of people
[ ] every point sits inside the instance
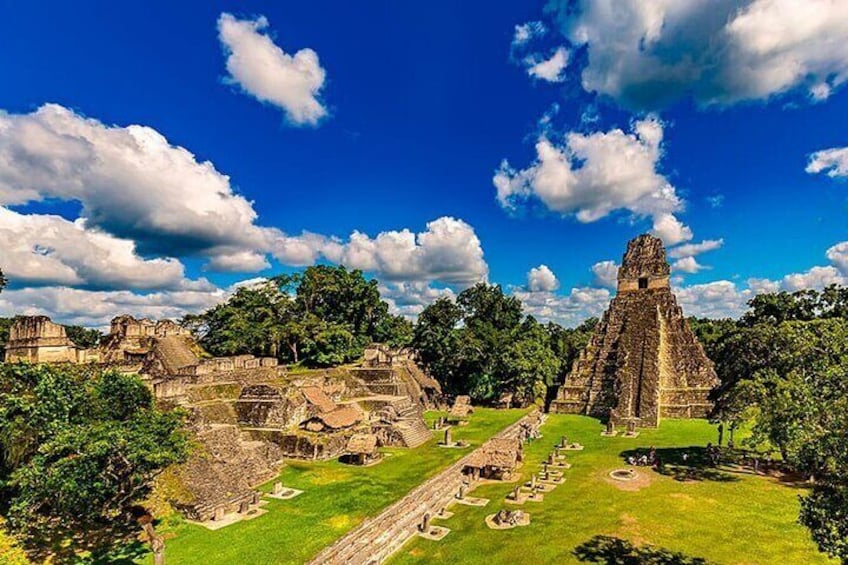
(650, 459)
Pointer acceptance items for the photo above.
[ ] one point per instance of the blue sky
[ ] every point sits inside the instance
(701, 123)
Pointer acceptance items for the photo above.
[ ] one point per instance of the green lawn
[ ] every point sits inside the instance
(724, 518)
(337, 497)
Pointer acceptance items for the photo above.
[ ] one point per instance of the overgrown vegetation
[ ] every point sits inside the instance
(321, 317)
(784, 373)
(482, 345)
(79, 448)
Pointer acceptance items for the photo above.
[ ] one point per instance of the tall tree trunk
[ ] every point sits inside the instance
(157, 544)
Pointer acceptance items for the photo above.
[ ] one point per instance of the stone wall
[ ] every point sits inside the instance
(36, 339)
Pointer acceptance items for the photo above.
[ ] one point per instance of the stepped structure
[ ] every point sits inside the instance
(643, 362)
(247, 413)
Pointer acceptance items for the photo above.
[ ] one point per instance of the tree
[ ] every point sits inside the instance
(322, 316)
(529, 365)
(789, 381)
(342, 297)
(825, 513)
(84, 337)
(567, 343)
(479, 346)
(79, 449)
(3, 281)
(436, 340)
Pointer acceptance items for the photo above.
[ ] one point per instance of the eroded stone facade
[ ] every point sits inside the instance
(643, 362)
(37, 339)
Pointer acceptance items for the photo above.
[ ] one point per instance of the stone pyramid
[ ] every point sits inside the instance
(643, 362)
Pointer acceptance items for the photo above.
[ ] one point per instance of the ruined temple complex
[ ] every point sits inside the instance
(643, 362)
(248, 413)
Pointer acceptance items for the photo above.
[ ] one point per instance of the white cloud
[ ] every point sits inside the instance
(593, 175)
(132, 183)
(687, 265)
(815, 278)
(527, 31)
(549, 69)
(266, 72)
(838, 256)
(448, 251)
(606, 274)
(671, 230)
(159, 200)
(648, 53)
(833, 162)
(693, 249)
(568, 310)
(542, 279)
(410, 298)
(717, 299)
(49, 250)
(239, 261)
(96, 308)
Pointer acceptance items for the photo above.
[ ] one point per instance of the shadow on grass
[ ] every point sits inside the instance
(610, 550)
(683, 464)
(126, 554)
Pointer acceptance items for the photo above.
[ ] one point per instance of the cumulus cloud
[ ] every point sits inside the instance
(838, 256)
(293, 83)
(606, 274)
(717, 299)
(687, 265)
(816, 277)
(833, 162)
(409, 299)
(448, 251)
(132, 183)
(646, 54)
(542, 279)
(141, 196)
(49, 250)
(238, 261)
(693, 249)
(568, 310)
(96, 308)
(550, 69)
(593, 175)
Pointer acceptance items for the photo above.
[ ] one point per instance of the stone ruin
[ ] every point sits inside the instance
(643, 362)
(36, 339)
(247, 413)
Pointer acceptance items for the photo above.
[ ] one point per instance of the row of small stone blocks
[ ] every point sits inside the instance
(400, 529)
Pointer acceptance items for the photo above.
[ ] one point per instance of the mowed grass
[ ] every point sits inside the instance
(336, 498)
(741, 519)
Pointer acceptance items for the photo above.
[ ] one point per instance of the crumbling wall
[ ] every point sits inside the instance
(36, 339)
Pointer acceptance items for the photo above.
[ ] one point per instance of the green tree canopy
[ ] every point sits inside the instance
(322, 316)
(78, 451)
(784, 372)
(479, 345)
